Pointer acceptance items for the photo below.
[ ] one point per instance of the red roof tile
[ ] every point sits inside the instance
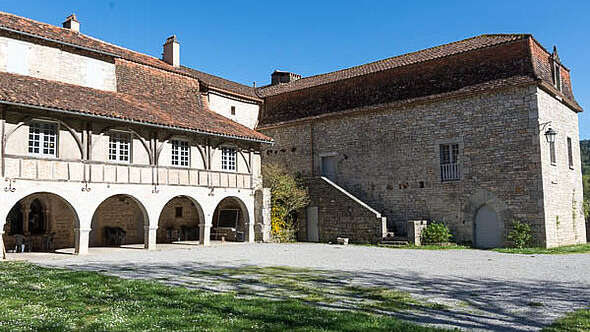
(183, 113)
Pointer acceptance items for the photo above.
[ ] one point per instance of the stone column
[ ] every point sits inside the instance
(26, 212)
(82, 240)
(2, 249)
(205, 234)
(262, 209)
(250, 227)
(149, 237)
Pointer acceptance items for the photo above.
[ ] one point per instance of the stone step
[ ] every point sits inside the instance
(395, 242)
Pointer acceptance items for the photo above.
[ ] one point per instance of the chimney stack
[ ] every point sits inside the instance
(72, 23)
(279, 77)
(171, 53)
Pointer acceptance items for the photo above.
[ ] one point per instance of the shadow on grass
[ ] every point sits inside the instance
(489, 304)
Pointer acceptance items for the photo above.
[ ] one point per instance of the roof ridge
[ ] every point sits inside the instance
(521, 36)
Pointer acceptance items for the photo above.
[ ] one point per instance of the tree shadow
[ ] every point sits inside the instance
(467, 303)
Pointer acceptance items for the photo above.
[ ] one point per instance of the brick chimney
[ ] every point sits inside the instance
(283, 77)
(171, 53)
(72, 23)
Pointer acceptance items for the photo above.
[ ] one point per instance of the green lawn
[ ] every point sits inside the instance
(33, 298)
(574, 249)
(577, 321)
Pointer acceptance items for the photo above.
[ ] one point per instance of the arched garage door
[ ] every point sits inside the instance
(487, 228)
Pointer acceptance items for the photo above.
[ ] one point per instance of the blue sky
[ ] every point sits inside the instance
(246, 40)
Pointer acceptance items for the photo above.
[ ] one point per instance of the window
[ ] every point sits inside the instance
(552, 153)
(233, 110)
(43, 138)
(570, 157)
(556, 75)
(228, 159)
(180, 153)
(178, 212)
(449, 165)
(119, 147)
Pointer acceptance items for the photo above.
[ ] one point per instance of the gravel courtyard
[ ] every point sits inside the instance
(467, 289)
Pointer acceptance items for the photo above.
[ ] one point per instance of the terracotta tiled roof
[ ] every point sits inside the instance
(183, 113)
(438, 71)
(457, 47)
(222, 84)
(62, 35)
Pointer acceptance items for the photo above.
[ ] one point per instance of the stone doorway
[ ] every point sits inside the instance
(487, 228)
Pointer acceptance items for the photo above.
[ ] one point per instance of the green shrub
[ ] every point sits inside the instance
(288, 194)
(520, 234)
(436, 232)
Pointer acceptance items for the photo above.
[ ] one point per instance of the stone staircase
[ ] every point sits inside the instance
(392, 240)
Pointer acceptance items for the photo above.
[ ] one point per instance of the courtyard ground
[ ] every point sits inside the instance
(466, 289)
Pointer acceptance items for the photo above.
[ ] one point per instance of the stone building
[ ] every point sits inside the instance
(476, 133)
(103, 146)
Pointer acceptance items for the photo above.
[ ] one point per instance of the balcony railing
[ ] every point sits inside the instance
(30, 168)
(450, 172)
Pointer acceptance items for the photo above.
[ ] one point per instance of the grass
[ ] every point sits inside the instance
(34, 298)
(577, 321)
(573, 249)
(426, 246)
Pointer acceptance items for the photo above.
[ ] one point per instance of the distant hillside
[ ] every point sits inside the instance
(585, 154)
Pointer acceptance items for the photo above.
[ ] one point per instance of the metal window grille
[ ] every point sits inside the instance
(450, 169)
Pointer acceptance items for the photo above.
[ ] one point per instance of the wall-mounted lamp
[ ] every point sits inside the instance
(550, 135)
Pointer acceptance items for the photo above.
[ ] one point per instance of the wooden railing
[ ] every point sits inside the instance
(450, 172)
(28, 168)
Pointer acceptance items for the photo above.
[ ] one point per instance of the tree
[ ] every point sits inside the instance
(288, 194)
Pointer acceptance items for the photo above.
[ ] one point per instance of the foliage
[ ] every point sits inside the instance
(578, 320)
(520, 235)
(288, 195)
(41, 299)
(436, 232)
(573, 249)
(585, 156)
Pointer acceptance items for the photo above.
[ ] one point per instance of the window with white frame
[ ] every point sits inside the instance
(228, 159)
(180, 153)
(120, 146)
(43, 138)
(449, 162)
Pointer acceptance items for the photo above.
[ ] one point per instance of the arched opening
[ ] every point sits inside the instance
(41, 222)
(179, 221)
(119, 220)
(230, 220)
(488, 229)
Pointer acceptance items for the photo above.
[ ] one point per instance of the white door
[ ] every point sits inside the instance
(487, 229)
(313, 234)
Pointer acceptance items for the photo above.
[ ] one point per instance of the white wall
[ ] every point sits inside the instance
(50, 63)
(246, 113)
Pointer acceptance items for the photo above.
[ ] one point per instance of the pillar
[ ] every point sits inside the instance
(82, 239)
(149, 238)
(205, 234)
(2, 249)
(250, 226)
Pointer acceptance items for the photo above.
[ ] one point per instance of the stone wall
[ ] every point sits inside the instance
(171, 225)
(562, 184)
(389, 158)
(342, 215)
(118, 211)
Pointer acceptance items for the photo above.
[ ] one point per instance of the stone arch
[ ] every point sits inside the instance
(118, 220)
(227, 209)
(184, 226)
(42, 221)
(485, 199)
